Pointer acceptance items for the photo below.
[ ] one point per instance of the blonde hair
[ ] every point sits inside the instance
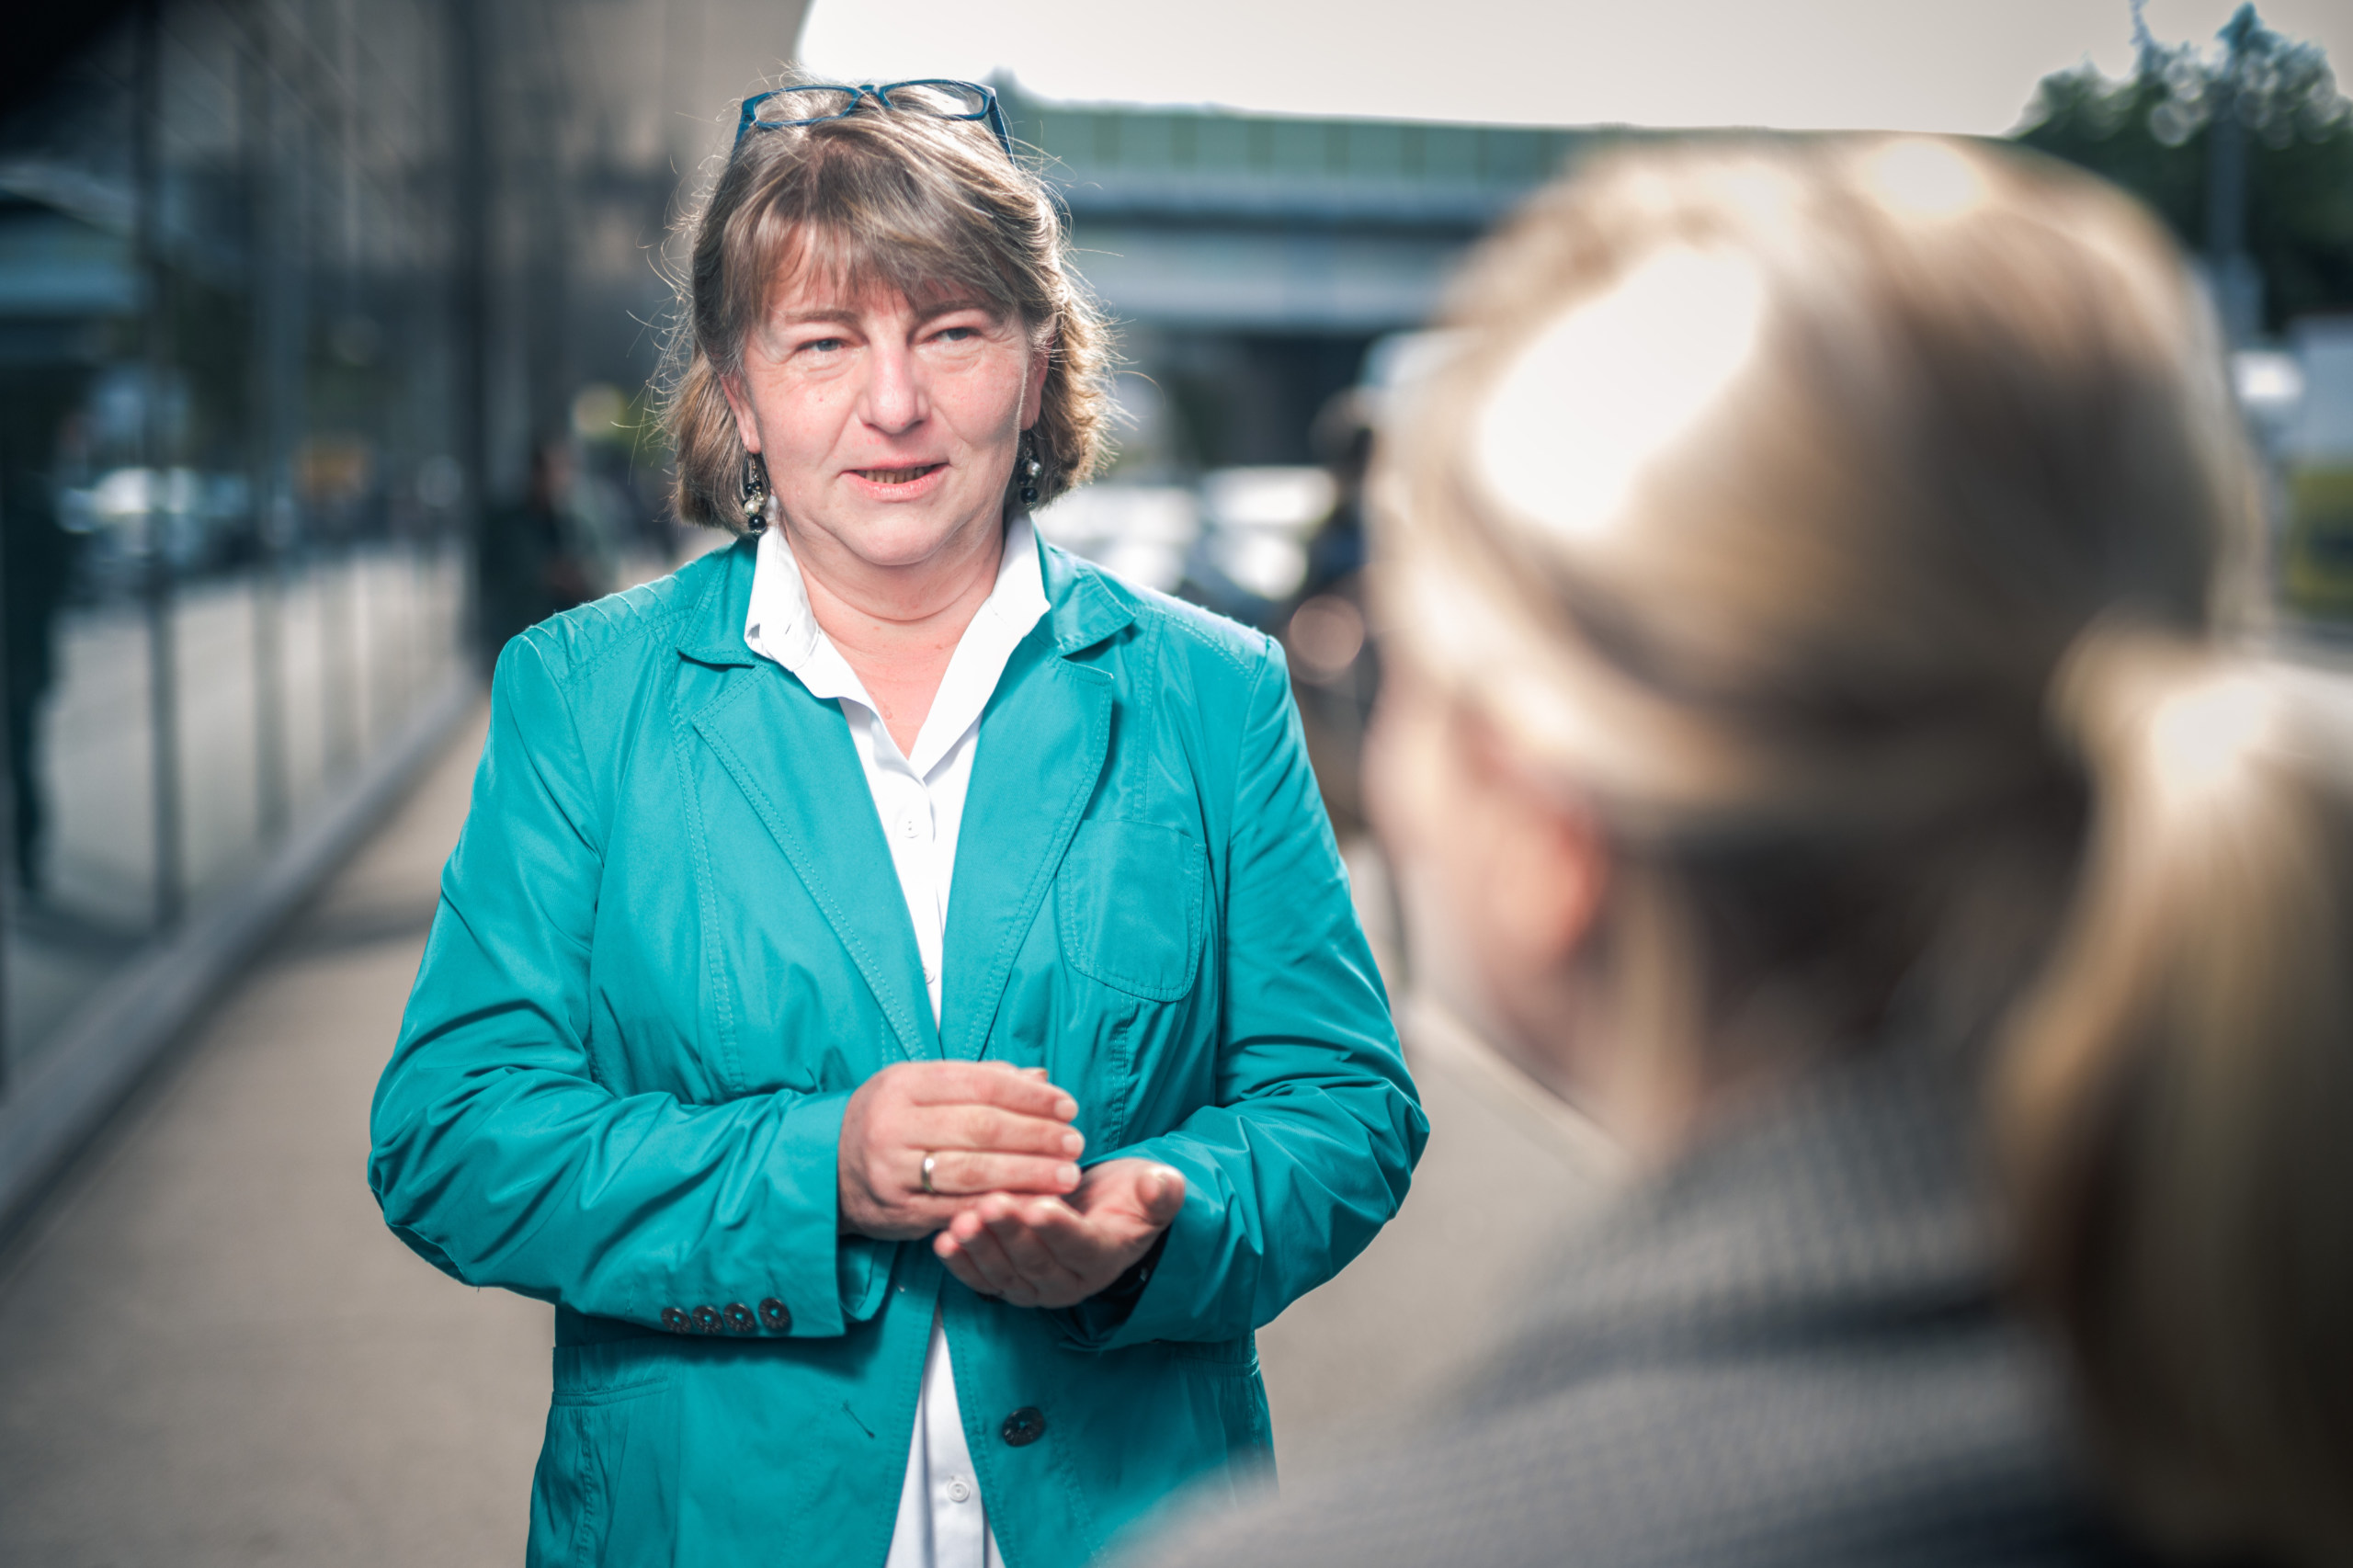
(1964, 464)
(2180, 1089)
(891, 198)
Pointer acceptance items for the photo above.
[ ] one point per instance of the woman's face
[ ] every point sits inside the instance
(888, 425)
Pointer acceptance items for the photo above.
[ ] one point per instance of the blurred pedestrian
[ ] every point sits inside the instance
(1806, 714)
(883, 1228)
(538, 558)
(36, 571)
(1342, 437)
(1324, 624)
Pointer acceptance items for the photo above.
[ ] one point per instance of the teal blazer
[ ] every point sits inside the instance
(670, 943)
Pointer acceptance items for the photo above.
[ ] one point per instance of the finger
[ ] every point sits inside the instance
(975, 1254)
(968, 1225)
(1161, 1193)
(987, 1083)
(1039, 1278)
(1014, 1067)
(998, 1242)
(975, 1082)
(991, 1127)
(1143, 1190)
(892, 1163)
(965, 1173)
(980, 1248)
(1073, 1241)
(1018, 1234)
(960, 1264)
(1120, 1209)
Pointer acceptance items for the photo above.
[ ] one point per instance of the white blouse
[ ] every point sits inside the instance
(943, 1522)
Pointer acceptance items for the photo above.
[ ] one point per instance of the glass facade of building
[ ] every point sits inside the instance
(233, 482)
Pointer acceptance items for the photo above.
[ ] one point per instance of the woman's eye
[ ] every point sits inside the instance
(822, 345)
(958, 333)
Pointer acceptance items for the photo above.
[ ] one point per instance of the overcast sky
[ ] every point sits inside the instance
(1965, 66)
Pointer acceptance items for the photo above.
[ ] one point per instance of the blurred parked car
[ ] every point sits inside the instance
(2314, 445)
(1144, 533)
(203, 520)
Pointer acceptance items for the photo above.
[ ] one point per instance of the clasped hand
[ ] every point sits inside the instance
(1009, 1213)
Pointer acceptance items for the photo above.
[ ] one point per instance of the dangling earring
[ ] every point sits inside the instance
(752, 495)
(1030, 468)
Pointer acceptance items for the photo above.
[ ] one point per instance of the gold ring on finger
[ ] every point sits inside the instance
(930, 1163)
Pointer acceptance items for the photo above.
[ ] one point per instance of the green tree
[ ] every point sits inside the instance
(2154, 134)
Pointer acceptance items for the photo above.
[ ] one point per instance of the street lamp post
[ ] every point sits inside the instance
(2238, 286)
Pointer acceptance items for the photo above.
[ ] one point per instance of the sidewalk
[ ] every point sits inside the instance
(212, 1352)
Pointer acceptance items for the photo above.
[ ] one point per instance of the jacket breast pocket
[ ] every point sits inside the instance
(1129, 903)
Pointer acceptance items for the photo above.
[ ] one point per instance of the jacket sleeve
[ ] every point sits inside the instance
(1310, 1146)
(498, 1154)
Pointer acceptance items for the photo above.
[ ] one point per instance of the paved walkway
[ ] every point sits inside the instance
(212, 1353)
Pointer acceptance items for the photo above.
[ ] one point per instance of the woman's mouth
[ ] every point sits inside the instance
(897, 475)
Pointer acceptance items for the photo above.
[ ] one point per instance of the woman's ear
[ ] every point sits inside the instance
(1520, 869)
(1549, 886)
(1033, 392)
(747, 429)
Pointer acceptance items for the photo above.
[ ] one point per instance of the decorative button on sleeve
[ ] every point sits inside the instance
(739, 1318)
(775, 1315)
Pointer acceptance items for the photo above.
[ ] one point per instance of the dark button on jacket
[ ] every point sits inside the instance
(705, 1320)
(1023, 1427)
(739, 1318)
(774, 1315)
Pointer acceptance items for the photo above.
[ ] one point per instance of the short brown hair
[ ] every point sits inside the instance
(897, 200)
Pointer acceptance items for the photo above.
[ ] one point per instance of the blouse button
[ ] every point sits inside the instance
(960, 1491)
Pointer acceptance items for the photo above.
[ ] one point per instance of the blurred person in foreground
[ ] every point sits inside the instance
(1807, 710)
(884, 1227)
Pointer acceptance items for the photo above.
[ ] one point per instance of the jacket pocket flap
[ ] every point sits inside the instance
(1129, 898)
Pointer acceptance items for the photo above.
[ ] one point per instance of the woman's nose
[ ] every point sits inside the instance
(894, 400)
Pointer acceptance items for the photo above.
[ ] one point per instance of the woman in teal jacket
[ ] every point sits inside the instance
(681, 1059)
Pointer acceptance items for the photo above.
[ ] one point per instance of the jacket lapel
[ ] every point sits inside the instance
(1043, 738)
(792, 756)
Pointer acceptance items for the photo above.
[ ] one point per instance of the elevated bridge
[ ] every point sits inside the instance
(1252, 258)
